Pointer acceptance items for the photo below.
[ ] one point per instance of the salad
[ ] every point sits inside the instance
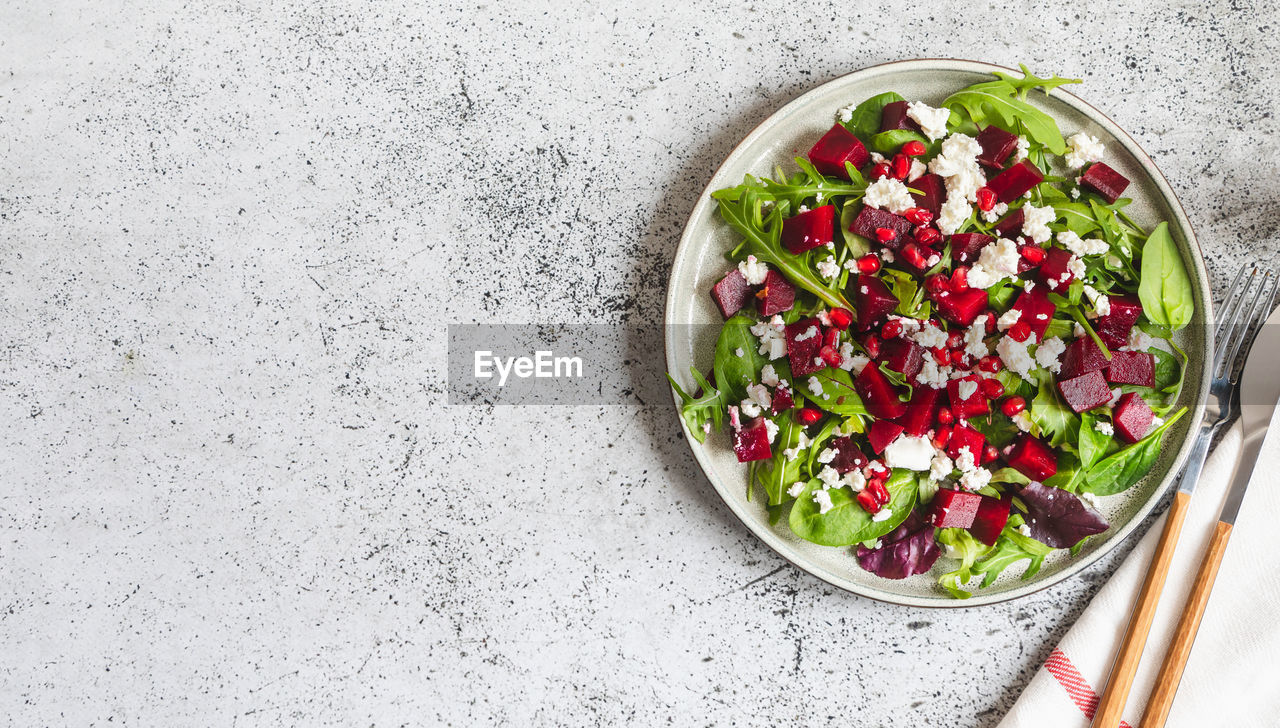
(944, 338)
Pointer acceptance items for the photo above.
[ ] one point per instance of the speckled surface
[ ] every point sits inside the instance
(232, 236)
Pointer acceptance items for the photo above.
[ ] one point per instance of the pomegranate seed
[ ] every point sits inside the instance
(1013, 405)
(992, 388)
(832, 357)
(986, 199)
(808, 415)
(944, 416)
(928, 236)
(841, 317)
(1033, 254)
(937, 283)
(901, 166)
(990, 364)
(880, 170)
(941, 437)
(869, 263)
(878, 491)
(955, 340)
(1020, 331)
(959, 358)
(911, 253)
(918, 216)
(885, 235)
(960, 279)
(868, 501)
(941, 356)
(892, 329)
(871, 343)
(913, 148)
(990, 454)
(831, 337)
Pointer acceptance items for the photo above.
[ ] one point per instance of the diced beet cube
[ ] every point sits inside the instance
(848, 456)
(976, 404)
(836, 147)
(1132, 367)
(809, 229)
(881, 433)
(1037, 310)
(751, 441)
(962, 307)
(918, 418)
(964, 436)
(870, 219)
(1114, 328)
(731, 293)
(879, 394)
(989, 521)
(903, 356)
(1032, 458)
(1010, 225)
(1012, 183)
(1081, 357)
(933, 191)
(966, 246)
(1054, 271)
(1132, 417)
(802, 352)
(954, 508)
(894, 116)
(873, 301)
(776, 295)
(1105, 181)
(782, 400)
(997, 144)
(1085, 391)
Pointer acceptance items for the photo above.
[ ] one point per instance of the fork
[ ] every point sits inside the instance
(1244, 305)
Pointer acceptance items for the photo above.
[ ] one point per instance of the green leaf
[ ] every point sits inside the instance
(890, 142)
(1077, 216)
(960, 544)
(1010, 109)
(779, 473)
(839, 395)
(698, 411)
(865, 121)
(898, 379)
(1168, 372)
(1092, 445)
(1165, 287)
(1030, 81)
(1117, 473)
(1011, 548)
(733, 372)
(1055, 420)
(847, 523)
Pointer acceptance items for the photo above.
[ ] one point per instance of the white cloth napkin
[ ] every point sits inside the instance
(1233, 675)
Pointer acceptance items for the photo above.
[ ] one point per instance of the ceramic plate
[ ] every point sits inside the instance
(693, 322)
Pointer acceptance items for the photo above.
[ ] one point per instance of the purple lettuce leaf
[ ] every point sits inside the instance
(1058, 518)
(907, 550)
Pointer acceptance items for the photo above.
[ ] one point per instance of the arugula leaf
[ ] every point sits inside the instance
(962, 545)
(1011, 108)
(733, 372)
(706, 407)
(1011, 548)
(1164, 287)
(1030, 81)
(865, 120)
(1055, 420)
(846, 523)
(779, 473)
(1117, 473)
(898, 379)
(1077, 216)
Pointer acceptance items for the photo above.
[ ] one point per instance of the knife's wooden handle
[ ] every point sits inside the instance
(1144, 611)
(1161, 699)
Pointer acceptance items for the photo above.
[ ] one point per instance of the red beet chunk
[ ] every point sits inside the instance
(1032, 458)
(1114, 328)
(962, 307)
(933, 192)
(997, 144)
(776, 295)
(1132, 417)
(731, 293)
(836, 147)
(848, 456)
(954, 508)
(874, 301)
(1132, 367)
(809, 229)
(1012, 183)
(1054, 270)
(1085, 391)
(879, 394)
(1105, 181)
(751, 442)
(964, 436)
(894, 116)
(782, 400)
(989, 521)
(965, 247)
(881, 433)
(870, 219)
(1037, 310)
(920, 411)
(1010, 225)
(802, 353)
(976, 404)
(1081, 357)
(903, 356)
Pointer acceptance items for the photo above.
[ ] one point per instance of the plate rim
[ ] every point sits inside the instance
(765, 534)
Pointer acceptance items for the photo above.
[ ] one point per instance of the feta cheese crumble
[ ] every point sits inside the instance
(1015, 356)
(918, 170)
(974, 345)
(995, 212)
(826, 456)
(769, 375)
(966, 389)
(807, 334)
(931, 337)
(933, 376)
(1105, 428)
(975, 479)
(771, 430)
(815, 387)
(883, 514)
(954, 213)
(910, 453)
(1035, 222)
(773, 343)
(753, 270)
(1008, 318)
(1101, 302)
(1024, 148)
(940, 467)
(998, 261)
(1083, 148)
(797, 488)
(933, 122)
(738, 352)
(1082, 247)
(749, 408)
(889, 194)
(828, 267)
(823, 499)
(1048, 352)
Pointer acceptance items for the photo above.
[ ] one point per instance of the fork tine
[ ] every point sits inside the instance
(1259, 309)
(1232, 305)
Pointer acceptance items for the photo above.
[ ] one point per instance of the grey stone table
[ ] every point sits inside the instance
(232, 237)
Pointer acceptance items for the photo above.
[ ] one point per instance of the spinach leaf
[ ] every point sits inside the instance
(733, 372)
(1011, 109)
(778, 474)
(697, 411)
(865, 121)
(839, 396)
(1092, 445)
(1077, 216)
(1165, 287)
(1116, 473)
(890, 142)
(1055, 420)
(846, 523)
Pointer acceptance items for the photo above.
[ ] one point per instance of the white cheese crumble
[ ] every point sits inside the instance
(940, 467)
(826, 456)
(931, 375)
(974, 346)
(955, 212)
(1090, 499)
(976, 479)
(807, 334)
(1082, 247)
(911, 453)
(889, 194)
(738, 352)
(829, 477)
(753, 270)
(855, 480)
(998, 261)
(883, 514)
(773, 343)
(1024, 148)
(1138, 340)
(995, 212)
(1023, 421)
(1105, 428)
(1035, 222)
(918, 170)
(965, 461)
(769, 375)
(828, 267)
(1015, 356)
(1008, 318)
(851, 362)
(771, 430)
(797, 488)
(823, 499)
(931, 337)
(760, 395)
(749, 408)
(1101, 302)
(1025, 530)
(1049, 351)
(1075, 267)
(966, 389)
(845, 115)
(1083, 148)
(815, 387)
(803, 443)
(933, 122)
(1029, 286)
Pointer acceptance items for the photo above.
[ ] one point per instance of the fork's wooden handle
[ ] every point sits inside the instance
(1144, 610)
(1161, 699)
